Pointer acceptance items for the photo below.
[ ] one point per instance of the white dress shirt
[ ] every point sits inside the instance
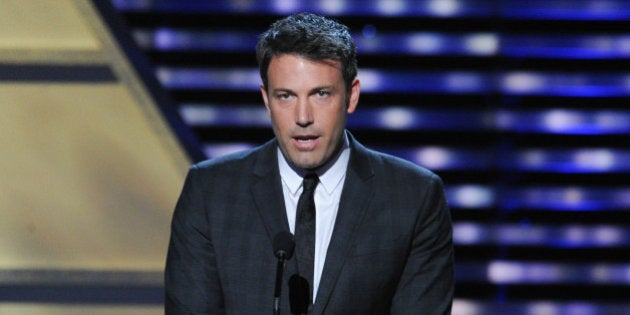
(327, 196)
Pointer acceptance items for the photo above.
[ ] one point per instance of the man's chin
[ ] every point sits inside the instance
(305, 164)
(308, 166)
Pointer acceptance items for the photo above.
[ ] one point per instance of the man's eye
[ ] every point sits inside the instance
(283, 96)
(322, 93)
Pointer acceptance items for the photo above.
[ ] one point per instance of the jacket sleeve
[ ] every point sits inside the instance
(427, 282)
(192, 283)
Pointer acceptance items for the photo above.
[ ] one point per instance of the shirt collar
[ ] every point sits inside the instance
(330, 178)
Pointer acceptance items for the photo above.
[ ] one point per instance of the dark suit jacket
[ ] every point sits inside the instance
(391, 249)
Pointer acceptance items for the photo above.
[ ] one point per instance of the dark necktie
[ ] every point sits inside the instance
(305, 230)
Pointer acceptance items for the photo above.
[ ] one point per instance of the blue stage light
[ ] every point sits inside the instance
(430, 8)
(538, 235)
(211, 115)
(566, 46)
(217, 149)
(511, 272)
(566, 198)
(564, 121)
(445, 158)
(536, 307)
(566, 9)
(456, 82)
(219, 79)
(585, 160)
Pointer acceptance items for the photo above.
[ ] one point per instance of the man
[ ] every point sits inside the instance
(382, 235)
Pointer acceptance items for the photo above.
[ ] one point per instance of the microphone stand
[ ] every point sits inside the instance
(283, 245)
(276, 296)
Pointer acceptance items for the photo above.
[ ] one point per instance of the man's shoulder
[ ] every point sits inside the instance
(390, 164)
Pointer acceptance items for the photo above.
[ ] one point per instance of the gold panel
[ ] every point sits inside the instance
(86, 181)
(53, 309)
(90, 171)
(44, 24)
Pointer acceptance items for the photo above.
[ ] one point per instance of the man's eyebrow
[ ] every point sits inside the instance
(311, 91)
(324, 87)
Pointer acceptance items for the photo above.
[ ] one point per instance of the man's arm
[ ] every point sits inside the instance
(427, 282)
(191, 279)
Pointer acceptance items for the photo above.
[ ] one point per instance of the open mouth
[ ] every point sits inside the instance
(305, 138)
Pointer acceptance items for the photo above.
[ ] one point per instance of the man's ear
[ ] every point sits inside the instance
(265, 97)
(353, 98)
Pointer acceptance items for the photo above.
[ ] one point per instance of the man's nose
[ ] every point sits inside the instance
(304, 115)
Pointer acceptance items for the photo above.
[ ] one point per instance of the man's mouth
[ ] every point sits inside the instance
(305, 142)
(305, 138)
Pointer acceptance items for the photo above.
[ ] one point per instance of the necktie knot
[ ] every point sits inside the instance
(309, 183)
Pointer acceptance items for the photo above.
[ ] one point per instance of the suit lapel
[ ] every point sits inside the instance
(269, 200)
(267, 191)
(354, 200)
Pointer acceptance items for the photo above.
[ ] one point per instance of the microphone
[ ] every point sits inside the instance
(283, 245)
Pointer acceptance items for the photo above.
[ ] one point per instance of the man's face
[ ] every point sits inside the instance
(308, 105)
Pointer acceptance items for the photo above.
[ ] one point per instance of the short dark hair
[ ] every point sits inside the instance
(311, 36)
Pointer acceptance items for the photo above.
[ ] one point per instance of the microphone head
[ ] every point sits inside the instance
(283, 245)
